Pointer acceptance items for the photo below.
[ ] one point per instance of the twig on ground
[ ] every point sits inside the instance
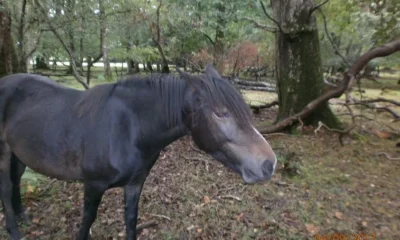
(225, 189)
(195, 148)
(300, 128)
(341, 132)
(197, 159)
(387, 155)
(321, 124)
(144, 225)
(48, 187)
(231, 197)
(161, 216)
(276, 134)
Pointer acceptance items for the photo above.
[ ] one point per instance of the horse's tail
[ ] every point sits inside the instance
(5, 92)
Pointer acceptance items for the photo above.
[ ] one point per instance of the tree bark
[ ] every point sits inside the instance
(157, 41)
(70, 31)
(130, 64)
(219, 39)
(6, 43)
(22, 61)
(149, 66)
(137, 68)
(298, 62)
(103, 30)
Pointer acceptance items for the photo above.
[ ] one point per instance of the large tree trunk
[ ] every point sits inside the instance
(219, 39)
(157, 41)
(6, 43)
(70, 12)
(298, 62)
(103, 30)
(149, 66)
(131, 65)
(22, 61)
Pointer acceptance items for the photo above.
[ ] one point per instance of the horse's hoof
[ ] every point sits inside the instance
(23, 218)
(18, 236)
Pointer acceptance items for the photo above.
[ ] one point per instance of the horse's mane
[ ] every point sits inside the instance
(224, 93)
(169, 87)
(171, 90)
(93, 100)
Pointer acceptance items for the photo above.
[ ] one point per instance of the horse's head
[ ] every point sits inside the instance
(220, 123)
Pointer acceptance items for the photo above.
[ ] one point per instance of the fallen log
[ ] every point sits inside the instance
(253, 83)
(257, 108)
(264, 89)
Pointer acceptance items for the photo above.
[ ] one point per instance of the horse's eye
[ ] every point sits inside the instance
(222, 114)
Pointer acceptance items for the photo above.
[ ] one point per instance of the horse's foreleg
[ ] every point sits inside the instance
(92, 197)
(131, 199)
(17, 170)
(6, 191)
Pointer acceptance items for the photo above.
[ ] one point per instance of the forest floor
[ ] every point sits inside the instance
(320, 187)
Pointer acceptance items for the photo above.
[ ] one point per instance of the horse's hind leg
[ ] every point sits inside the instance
(6, 186)
(17, 170)
(92, 197)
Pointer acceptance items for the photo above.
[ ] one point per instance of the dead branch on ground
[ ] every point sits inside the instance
(387, 155)
(144, 225)
(348, 79)
(256, 109)
(342, 133)
(231, 197)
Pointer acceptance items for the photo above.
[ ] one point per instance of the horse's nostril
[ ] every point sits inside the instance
(268, 167)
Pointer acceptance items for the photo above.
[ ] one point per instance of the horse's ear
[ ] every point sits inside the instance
(211, 72)
(183, 74)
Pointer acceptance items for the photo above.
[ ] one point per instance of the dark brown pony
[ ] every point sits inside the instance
(111, 135)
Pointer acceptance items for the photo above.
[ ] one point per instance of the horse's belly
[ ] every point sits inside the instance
(52, 160)
(55, 167)
(45, 145)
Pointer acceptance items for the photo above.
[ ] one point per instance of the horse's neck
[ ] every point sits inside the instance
(155, 127)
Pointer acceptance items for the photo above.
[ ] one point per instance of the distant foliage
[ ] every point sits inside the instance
(243, 56)
(200, 59)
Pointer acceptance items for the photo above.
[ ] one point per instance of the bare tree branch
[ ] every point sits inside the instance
(349, 76)
(381, 100)
(259, 25)
(337, 51)
(76, 74)
(387, 155)
(29, 54)
(317, 7)
(208, 37)
(268, 16)
(372, 106)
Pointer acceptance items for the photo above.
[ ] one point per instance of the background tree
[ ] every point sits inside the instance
(298, 61)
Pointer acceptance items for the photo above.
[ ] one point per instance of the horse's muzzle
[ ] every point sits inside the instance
(262, 173)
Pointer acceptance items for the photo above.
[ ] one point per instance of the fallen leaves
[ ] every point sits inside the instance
(239, 217)
(311, 228)
(206, 199)
(339, 215)
(382, 134)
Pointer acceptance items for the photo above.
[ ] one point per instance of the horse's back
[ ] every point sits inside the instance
(39, 124)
